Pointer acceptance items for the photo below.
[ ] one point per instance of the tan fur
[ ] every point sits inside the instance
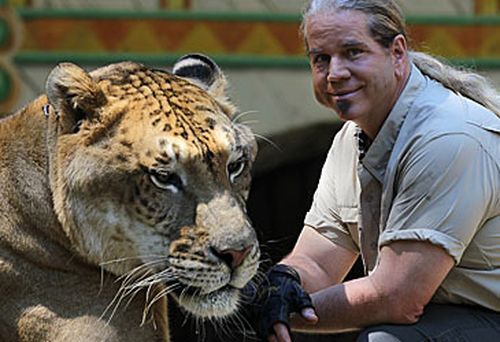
(120, 192)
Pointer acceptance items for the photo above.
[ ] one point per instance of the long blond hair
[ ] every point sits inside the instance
(386, 21)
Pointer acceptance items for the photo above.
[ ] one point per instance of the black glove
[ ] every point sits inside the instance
(284, 296)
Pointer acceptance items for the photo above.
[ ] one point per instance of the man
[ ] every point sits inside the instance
(411, 183)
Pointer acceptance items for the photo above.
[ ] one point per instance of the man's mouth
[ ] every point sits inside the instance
(342, 95)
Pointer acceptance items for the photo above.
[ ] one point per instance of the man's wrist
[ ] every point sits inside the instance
(286, 270)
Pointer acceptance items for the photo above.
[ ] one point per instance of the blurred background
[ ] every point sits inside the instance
(257, 44)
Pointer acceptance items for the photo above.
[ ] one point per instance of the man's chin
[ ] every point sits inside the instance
(343, 107)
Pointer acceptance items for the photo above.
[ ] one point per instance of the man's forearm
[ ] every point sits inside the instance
(348, 306)
(313, 277)
(394, 293)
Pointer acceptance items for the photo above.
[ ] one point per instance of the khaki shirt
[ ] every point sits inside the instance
(431, 174)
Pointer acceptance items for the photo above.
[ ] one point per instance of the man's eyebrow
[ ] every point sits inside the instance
(352, 43)
(314, 51)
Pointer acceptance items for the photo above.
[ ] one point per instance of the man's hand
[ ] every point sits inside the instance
(285, 296)
(281, 332)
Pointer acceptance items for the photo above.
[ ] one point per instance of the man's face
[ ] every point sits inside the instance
(352, 73)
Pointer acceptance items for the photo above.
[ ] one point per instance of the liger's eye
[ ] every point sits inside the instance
(167, 180)
(234, 169)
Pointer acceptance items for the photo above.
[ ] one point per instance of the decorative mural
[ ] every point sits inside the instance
(162, 35)
(254, 40)
(267, 36)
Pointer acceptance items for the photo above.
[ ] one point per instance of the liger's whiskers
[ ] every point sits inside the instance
(115, 261)
(139, 257)
(156, 278)
(115, 303)
(242, 114)
(187, 316)
(222, 327)
(132, 282)
(200, 329)
(183, 294)
(131, 296)
(244, 323)
(269, 141)
(248, 122)
(149, 303)
(259, 277)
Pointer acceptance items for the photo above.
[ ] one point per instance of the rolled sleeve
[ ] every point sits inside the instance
(335, 231)
(453, 246)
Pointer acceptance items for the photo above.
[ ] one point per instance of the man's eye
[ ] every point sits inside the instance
(353, 53)
(321, 59)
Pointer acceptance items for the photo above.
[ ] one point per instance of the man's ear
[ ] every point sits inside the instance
(74, 96)
(399, 53)
(399, 46)
(204, 72)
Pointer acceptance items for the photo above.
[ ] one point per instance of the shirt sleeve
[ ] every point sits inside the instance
(334, 212)
(443, 191)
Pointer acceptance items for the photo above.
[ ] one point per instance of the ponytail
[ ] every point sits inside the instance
(468, 84)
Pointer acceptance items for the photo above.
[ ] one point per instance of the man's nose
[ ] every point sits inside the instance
(337, 70)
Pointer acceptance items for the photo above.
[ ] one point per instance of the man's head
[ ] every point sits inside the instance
(385, 19)
(358, 55)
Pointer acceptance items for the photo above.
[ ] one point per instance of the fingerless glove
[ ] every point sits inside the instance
(285, 295)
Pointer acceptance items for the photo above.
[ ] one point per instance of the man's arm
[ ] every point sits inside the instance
(319, 262)
(407, 276)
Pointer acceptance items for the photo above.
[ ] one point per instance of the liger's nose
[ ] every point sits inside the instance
(232, 257)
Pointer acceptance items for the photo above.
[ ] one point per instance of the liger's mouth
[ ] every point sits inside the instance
(194, 291)
(218, 303)
(196, 296)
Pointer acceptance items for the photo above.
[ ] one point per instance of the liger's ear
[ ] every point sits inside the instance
(74, 95)
(204, 72)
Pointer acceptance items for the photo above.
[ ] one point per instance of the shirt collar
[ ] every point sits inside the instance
(377, 156)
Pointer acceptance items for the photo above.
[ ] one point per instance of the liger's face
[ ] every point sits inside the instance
(352, 73)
